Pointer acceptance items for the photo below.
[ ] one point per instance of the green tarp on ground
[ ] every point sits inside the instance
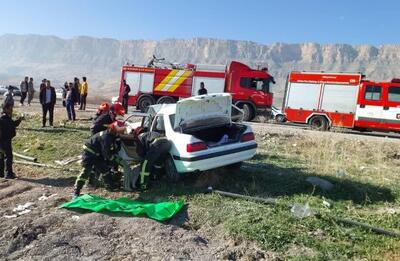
(158, 211)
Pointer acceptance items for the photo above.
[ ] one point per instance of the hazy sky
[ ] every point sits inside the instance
(263, 21)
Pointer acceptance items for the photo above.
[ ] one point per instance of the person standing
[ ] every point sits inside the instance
(48, 100)
(70, 99)
(24, 89)
(84, 92)
(202, 90)
(9, 97)
(42, 85)
(125, 97)
(7, 132)
(77, 87)
(31, 91)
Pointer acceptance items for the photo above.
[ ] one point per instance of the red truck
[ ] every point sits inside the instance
(167, 83)
(325, 100)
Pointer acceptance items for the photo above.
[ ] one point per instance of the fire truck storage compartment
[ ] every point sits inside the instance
(212, 136)
(339, 98)
(303, 95)
(213, 85)
(143, 80)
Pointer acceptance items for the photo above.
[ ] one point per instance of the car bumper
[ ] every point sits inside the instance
(214, 160)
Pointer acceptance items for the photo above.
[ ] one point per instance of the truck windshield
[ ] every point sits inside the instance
(259, 84)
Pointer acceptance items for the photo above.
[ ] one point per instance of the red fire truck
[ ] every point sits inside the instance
(153, 84)
(323, 100)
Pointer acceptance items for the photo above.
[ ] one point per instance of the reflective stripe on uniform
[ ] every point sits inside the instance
(86, 148)
(143, 173)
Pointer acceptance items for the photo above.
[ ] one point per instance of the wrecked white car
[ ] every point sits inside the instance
(202, 134)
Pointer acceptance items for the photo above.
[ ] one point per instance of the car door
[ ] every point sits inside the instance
(391, 110)
(370, 105)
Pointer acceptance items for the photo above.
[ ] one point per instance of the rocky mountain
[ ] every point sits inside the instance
(101, 59)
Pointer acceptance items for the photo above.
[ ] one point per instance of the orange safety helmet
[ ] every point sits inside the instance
(103, 108)
(118, 109)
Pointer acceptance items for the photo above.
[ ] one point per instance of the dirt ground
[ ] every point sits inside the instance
(50, 233)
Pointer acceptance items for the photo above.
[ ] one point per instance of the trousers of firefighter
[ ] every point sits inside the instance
(100, 156)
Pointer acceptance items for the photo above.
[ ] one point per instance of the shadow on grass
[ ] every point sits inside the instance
(269, 180)
(264, 180)
(61, 182)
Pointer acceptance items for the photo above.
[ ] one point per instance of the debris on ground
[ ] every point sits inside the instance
(301, 210)
(44, 197)
(321, 183)
(23, 207)
(68, 160)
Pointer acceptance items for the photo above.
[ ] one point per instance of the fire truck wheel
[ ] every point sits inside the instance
(319, 123)
(144, 102)
(171, 172)
(248, 113)
(165, 100)
(280, 118)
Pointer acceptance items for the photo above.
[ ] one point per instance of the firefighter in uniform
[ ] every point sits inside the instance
(102, 109)
(7, 133)
(101, 122)
(100, 154)
(153, 148)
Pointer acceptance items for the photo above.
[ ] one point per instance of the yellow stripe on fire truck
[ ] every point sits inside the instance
(173, 80)
(167, 78)
(181, 79)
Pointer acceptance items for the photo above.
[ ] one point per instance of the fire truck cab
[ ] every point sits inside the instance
(250, 88)
(325, 100)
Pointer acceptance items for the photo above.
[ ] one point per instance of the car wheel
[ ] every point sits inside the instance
(280, 118)
(166, 100)
(319, 123)
(171, 172)
(145, 102)
(247, 112)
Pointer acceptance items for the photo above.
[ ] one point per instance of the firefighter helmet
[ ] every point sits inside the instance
(118, 109)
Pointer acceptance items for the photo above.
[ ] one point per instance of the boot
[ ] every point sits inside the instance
(10, 175)
(77, 193)
(78, 186)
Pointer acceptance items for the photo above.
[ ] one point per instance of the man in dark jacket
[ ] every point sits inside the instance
(202, 90)
(100, 154)
(125, 96)
(48, 101)
(7, 133)
(24, 89)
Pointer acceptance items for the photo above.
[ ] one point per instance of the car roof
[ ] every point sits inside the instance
(166, 109)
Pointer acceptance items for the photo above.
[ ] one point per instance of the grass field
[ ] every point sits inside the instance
(365, 174)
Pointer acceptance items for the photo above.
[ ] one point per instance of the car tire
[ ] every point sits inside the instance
(166, 100)
(280, 118)
(319, 123)
(171, 172)
(248, 113)
(144, 102)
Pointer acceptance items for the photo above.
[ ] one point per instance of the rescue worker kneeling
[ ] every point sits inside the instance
(153, 148)
(100, 154)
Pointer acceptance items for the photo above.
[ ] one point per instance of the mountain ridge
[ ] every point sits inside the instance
(100, 59)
